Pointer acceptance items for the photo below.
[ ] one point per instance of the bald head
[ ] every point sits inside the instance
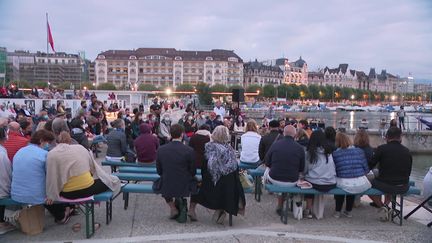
(289, 131)
(14, 126)
(3, 122)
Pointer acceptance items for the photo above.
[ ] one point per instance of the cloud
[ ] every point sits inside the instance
(393, 35)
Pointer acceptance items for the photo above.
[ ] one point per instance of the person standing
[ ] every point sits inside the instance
(219, 109)
(175, 164)
(401, 116)
(395, 163)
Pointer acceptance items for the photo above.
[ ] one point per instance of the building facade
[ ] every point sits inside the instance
(316, 78)
(2, 65)
(257, 73)
(55, 68)
(168, 67)
(342, 77)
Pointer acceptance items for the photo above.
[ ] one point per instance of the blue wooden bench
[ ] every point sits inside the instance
(397, 212)
(247, 166)
(88, 210)
(128, 169)
(257, 174)
(141, 176)
(115, 164)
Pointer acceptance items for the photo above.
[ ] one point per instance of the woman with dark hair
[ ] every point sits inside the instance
(198, 141)
(135, 124)
(319, 167)
(239, 124)
(78, 133)
(330, 135)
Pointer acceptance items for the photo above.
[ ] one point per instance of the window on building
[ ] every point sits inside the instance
(141, 70)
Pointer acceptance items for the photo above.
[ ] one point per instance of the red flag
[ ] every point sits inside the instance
(50, 38)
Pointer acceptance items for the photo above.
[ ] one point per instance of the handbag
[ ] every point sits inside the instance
(244, 180)
(157, 185)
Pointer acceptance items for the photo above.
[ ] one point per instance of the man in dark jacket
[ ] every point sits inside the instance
(146, 145)
(175, 164)
(267, 140)
(213, 122)
(286, 160)
(395, 163)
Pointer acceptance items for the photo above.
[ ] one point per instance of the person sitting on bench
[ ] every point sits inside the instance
(267, 140)
(116, 140)
(351, 169)
(175, 163)
(394, 168)
(250, 143)
(29, 176)
(72, 172)
(285, 161)
(320, 169)
(146, 145)
(5, 181)
(221, 188)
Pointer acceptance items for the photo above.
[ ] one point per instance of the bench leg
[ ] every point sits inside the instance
(126, 199)
(419, 206)
(89, 213)
(258, 190)
(108, 212)
(397, 209)
(230, 220)
(285, 208)
(401, 210)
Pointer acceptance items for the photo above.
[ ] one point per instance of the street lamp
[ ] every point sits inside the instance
(352, 97)
(393, 98)
(168, 92)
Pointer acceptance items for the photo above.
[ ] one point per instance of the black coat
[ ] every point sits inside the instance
(175, 164)
(266, 142)
(225, 195)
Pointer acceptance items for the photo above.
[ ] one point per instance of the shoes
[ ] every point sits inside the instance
(337, 215)
(308, 214)
(66, 218)
(383, 212)
(347, 214)
(6, 227)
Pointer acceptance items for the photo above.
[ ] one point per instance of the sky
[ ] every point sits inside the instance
(395, 35)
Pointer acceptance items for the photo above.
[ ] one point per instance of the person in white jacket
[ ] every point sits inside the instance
(250, 144)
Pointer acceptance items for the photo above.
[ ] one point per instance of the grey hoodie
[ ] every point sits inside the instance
(320, 173)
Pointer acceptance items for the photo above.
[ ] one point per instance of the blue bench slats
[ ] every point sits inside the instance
(141, 176)
(116, 163)
(8, 202)
(337, 191)
(104, 196)
(246, 166)
(127, 169)
(137, 188)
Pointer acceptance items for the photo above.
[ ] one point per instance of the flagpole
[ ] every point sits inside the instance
(47, 40)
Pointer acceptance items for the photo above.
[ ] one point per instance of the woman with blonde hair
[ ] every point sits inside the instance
(221, 188)
(361, 140)
(302, 137)
(351, 169)
(250, 144)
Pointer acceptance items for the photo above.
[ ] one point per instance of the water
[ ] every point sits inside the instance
(332, 118)
(421, 165)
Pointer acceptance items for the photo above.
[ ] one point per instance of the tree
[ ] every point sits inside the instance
(185, 87)
(282, 91)
(23, 84)
(106, 86)
(254, 88)
(64, 85)
(314, 92)
(204, 94)
(218, 88)
(269, 91)
(234, 87)
(40, 84)
(147, 87)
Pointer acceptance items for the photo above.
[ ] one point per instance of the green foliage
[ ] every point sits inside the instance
(204, 93)
(218, 88)
(269, 91)
(147, 87)
(230, 88)
(185, 87)
(106, 86)
(23, 84)
(254, 88)
(40, 84)
(64, 85)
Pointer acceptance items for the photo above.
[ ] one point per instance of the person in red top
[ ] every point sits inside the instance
(15, 140)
